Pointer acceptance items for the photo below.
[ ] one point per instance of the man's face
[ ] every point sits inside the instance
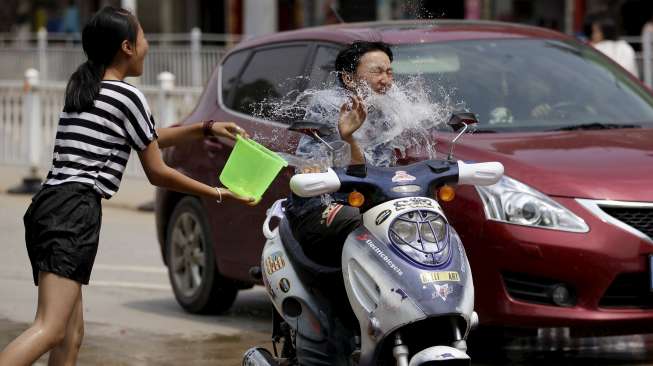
(375, 70)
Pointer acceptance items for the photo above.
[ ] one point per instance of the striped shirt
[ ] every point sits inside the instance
(93, 147)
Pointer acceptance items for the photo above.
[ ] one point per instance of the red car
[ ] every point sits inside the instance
(565, 239)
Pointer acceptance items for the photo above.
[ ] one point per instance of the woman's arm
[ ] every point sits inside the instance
(161, 175)
(171, 136)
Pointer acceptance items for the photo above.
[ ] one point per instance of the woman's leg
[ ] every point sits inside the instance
(65, 353)
(57, 298)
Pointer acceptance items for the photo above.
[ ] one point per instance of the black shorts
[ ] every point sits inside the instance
(62, 231)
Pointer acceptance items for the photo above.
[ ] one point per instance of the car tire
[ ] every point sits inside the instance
(196, 282)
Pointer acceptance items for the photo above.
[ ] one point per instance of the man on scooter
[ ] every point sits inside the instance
(363, 69)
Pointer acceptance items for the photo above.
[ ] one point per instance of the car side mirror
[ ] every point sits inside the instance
(458, 120)
(309, 128)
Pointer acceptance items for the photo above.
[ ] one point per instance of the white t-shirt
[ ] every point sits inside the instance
(621, 53)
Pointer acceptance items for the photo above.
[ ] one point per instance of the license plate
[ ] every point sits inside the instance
(650, 272)
(428, 277)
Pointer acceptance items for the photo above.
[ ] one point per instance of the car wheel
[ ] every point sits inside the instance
(196, 282)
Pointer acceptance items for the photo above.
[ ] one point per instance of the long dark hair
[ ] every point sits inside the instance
(102, 38)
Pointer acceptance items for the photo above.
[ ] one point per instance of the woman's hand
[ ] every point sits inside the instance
(351, 118)
(222, 193)
(228, 130)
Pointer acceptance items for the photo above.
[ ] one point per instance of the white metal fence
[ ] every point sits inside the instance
(190, 56)
(29, 114)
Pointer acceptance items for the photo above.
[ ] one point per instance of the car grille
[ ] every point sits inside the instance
(532, 289)
(629, 290)
(641, 218)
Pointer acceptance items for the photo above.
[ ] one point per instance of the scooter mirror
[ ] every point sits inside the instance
(458, 120)
(309, 128)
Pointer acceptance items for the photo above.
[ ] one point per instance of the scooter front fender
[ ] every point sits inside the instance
(439, 354)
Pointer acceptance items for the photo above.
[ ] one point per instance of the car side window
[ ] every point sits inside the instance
(230, 70)
(271, 77)
(323, 75)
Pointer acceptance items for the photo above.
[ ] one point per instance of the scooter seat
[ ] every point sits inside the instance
(311, 271)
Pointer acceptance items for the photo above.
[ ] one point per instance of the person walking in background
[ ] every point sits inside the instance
(103, 119)
(604, 38)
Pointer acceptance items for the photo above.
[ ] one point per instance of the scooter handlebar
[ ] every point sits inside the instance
(482, 174)
(315, 184)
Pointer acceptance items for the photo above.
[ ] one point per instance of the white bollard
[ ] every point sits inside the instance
(32, 118)
(166, 107)
(32, 133)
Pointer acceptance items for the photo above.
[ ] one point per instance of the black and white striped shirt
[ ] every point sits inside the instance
(93, 147)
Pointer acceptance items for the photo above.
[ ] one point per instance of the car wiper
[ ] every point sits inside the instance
(595, 126)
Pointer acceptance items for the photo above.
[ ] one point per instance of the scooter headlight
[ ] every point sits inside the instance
(421, 236)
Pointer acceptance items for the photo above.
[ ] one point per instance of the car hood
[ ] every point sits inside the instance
(612, 164)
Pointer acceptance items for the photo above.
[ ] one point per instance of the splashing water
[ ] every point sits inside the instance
(403, 119)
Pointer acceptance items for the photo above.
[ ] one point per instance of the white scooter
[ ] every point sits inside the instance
(409, 296)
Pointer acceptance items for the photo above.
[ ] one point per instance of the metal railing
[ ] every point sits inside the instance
(29, 115)
(647, 58)
(190, 56)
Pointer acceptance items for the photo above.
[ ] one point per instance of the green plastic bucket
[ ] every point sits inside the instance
(251, 168)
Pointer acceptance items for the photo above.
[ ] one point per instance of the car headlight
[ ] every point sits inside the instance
(421, 235)
(514, 202)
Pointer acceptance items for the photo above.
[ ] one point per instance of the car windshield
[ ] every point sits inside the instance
(527, 85)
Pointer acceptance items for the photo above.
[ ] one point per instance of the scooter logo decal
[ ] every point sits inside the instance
(274, 263)
(382, 217)
(442, 291)
(384, 257)
(414, 202)
(429, 277)
(284, 285)
(402, 176)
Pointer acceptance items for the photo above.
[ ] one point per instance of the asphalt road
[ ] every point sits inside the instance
(131, 315)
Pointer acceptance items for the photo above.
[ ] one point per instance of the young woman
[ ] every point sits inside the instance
(102, 120)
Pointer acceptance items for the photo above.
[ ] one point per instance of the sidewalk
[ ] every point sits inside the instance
(133, 191)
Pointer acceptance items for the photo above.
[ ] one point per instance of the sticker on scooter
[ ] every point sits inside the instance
(274, 263)
(442, 291)
(414, 202)
(367, 239)
(402, 176)
(270, 290)
(364, 237)
(448, 276)
(401, 293)
(382, 217)
(284, 285)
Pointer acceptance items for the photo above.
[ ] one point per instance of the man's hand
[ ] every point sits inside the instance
(351, 117)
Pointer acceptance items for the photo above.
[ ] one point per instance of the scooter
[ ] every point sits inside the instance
(407, 280)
